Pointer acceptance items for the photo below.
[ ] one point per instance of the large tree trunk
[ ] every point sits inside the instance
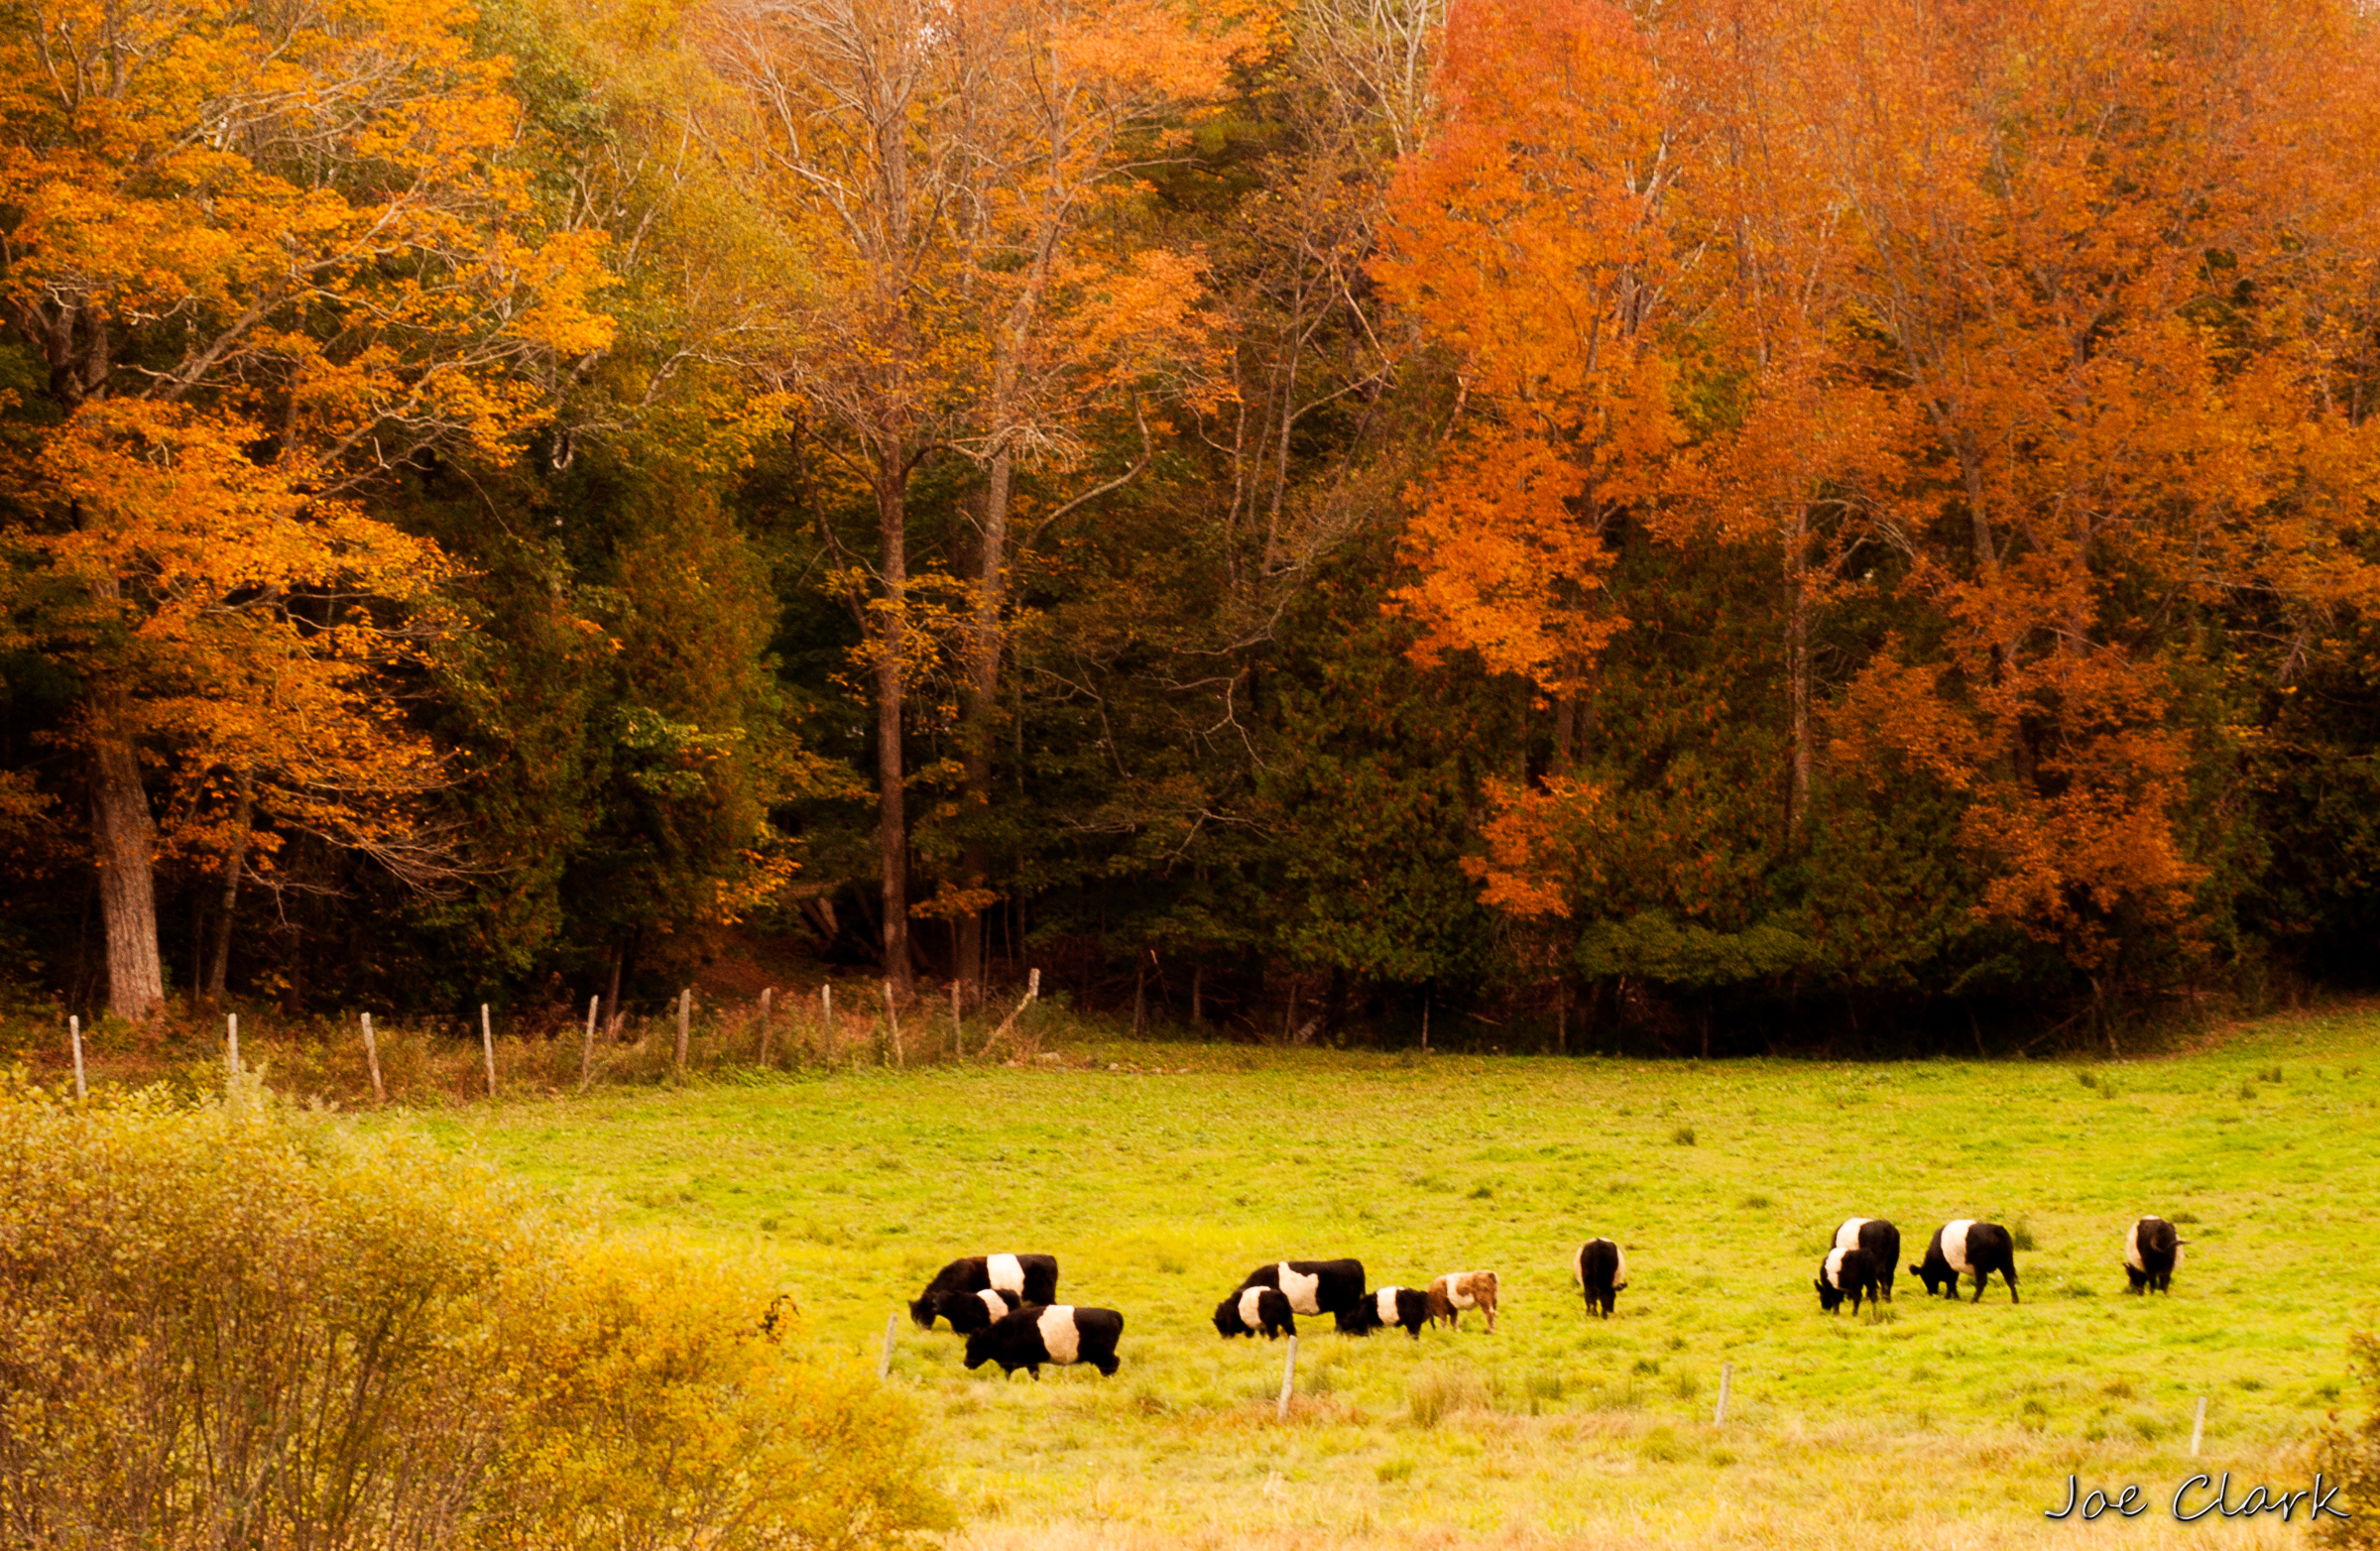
(981, 698)
(124, 844)
(1797, 577)
(891, 830)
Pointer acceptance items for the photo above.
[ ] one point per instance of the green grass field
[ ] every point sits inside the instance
(1159, 1173)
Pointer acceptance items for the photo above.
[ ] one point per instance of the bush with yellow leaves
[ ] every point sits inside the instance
(246, 1324)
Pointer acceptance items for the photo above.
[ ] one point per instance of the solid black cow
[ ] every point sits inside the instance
(1880, 1240)
(2151, 1252)
(1334, 1288)
(1967, 1248)
(1061, 1334)
(1601, 1271)
(1846, 1274)
(1252, 1311)
(969, 1312)
(1032, 1277)
(1408, 1307)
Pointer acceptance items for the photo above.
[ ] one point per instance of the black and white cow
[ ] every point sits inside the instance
(1967, 1248)
(2151, 1252)
(1846, 1274)
(1059, 1334)
(1032, 1277)
(1389, 1306)
(1254, 1311)
(969, 1312)
(1601, 1271)
(1880, 1240)
(1334, 1288)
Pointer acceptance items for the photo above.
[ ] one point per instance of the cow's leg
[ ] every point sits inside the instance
(2008, 1275)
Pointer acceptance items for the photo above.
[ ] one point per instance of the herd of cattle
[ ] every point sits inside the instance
(1006, 1307)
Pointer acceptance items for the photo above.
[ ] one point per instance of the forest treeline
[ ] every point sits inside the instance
(1775, 517)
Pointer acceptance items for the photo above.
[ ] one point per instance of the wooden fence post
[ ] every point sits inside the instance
(487, 1046)
(686, 1009)
(826, 1017)
(586, 1046)
(75, 1034)
(767, 994)
(958, 1025)
(1288, 1382)
(1726, 1371)
(231, 1045)
(371, 1060)
(892, 1016)
(883, 1364)
(2197, 1427)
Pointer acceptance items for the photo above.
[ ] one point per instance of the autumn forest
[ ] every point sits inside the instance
(1717, 525)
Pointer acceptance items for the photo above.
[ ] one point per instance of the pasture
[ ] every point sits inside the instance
(1160, 1173)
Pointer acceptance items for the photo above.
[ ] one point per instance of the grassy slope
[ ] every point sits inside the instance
(1158, 1190)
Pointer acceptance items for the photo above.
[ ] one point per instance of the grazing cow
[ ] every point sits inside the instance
(1060, 1333)
(1968, 1248)
(969, 1312)
(1880, 1240)
(1601, 1271)
(1254, 1310)
(1032, 1277)
(1846, 1274)
(1334, 1288)
(1384, 1306)
(2151, 1252)
(1456, 1291)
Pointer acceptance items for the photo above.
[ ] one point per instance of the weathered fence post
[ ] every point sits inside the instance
(371, 1060)
(231, 1045)
(685, 1010)
(487, 1046)
(767, 993)
(586, 1046)
(883, 1364)
(2197, 1427)
(893, 1017)
(1726, 1371)
(826, 1019)
(1288, 1383)
(75, 1034)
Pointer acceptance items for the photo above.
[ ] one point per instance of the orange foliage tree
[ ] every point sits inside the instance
(260, 260)
(2064, 311)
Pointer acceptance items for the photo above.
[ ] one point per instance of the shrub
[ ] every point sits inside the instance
(2349, 1450)
(183, 1294)
(243, 1324)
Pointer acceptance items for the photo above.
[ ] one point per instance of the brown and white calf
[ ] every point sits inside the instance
(1457, 1291)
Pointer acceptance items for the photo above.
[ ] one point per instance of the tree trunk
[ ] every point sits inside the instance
(232, 866)
(124, 844)
(1797, 802)
(981, 696)
(892, 831)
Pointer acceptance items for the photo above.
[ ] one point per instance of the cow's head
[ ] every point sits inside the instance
(1828, 1297)
(980, 1348)
(923, 1311)
(1363, 1319)
(1227, 1318)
